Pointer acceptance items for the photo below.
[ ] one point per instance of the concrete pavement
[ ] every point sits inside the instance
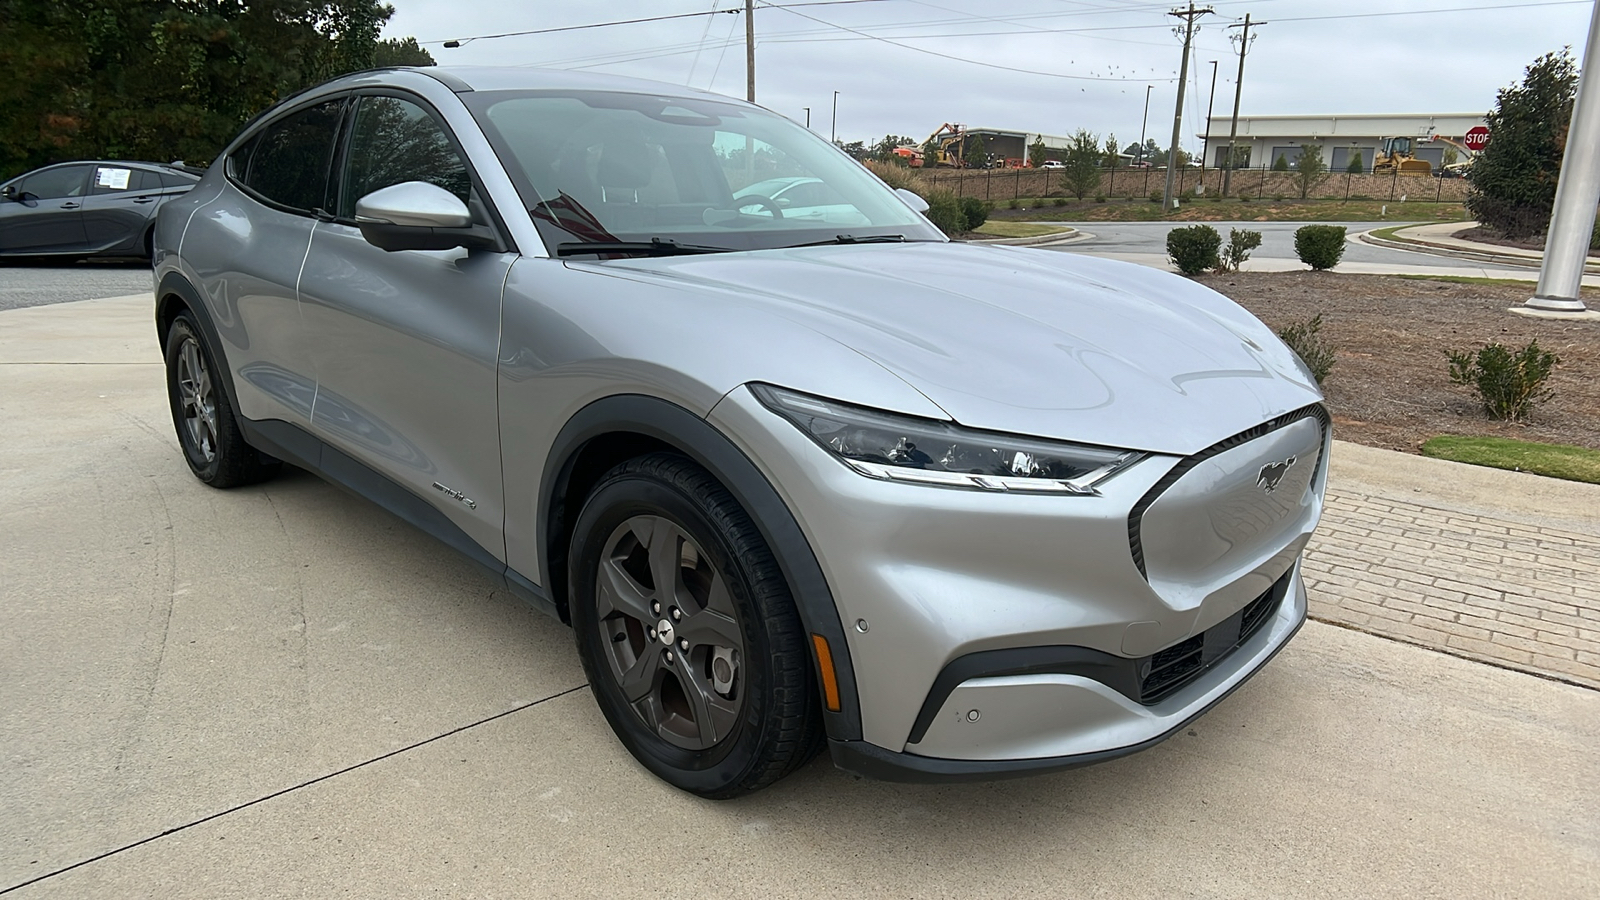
(282, 691)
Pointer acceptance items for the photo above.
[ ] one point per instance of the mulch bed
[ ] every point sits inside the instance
(1390, 386)
(1489, 236)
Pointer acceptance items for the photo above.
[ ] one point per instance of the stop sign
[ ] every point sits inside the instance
(1477, 138)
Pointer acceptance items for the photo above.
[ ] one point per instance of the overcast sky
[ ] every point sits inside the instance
(1345, 57)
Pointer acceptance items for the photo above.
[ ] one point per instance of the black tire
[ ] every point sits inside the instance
(212, 443)
(729, 750)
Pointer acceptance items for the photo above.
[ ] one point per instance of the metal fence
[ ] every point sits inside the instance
(1000, 185)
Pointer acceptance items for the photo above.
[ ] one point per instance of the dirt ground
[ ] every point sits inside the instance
(1390, 385)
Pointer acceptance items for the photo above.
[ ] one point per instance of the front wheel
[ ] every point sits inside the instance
(688, 634)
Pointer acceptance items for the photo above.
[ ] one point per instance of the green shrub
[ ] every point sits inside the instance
(1157, 196)
(1278, 197)
(1101, 198)
(1508, 383)
(974, 212)
(1060, 201)
(1305, 339)
(1194, 249)
(1319, 246)
(944, 211)
(1594, 237)
(1014, 204)
(1244, 198)
(1240, 243)
(1281, 164)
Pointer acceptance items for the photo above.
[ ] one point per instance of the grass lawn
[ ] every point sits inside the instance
(1019, 229)
(1231, 210)
(1554, 460)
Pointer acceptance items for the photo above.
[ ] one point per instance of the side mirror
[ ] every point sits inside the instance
(9, 192)
(912, 200)
(416, 215)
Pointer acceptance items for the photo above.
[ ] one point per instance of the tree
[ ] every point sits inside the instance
(1111, 156)
(977, 155)
(1514, 178)
(162, 79)
(402, 52)
(1281, 164)
(856, 149)
(1309, 170)
(1082, 173)
(1036, 153)
(1450, 156)
(1238, 159)
(1355, 167)
(883, 151)
(930, 154)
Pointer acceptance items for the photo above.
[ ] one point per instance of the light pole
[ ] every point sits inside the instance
(808, 115)
(1205, 142)
(1146, 120)
(833, 127)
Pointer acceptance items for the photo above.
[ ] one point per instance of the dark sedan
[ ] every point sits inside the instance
(78, 209)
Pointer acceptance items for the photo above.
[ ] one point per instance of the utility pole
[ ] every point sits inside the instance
(1146, 120)
(808, 116)
(750, 50)
(833, 127)
(1205, 142)
(1187, 30)
(1245, 38)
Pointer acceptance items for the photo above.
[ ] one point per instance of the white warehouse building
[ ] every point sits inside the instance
(1269, 137)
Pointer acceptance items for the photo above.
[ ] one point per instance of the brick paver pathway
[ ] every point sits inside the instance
(1495, 590)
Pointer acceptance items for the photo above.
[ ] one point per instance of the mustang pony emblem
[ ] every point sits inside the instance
(1273, 473)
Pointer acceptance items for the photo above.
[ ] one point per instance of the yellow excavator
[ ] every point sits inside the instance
(1395, 154)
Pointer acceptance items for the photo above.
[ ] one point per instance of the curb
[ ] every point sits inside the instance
(1504, 259)
(1072, 236)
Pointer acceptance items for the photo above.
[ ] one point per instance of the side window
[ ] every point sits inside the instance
(292, 156)
(118, 179)
(395, 141)
(53, 184)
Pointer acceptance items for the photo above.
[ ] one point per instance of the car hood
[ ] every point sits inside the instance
(1026, 341)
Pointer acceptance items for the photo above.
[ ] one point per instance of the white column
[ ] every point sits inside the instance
(1577, 192)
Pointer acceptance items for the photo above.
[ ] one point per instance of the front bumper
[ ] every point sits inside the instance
(928, 579)
(1083, 719)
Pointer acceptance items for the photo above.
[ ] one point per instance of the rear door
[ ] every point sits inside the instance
(118, 210)
(405, 344)
(46, 213)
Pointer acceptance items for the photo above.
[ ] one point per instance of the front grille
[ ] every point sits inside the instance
(1168, 671)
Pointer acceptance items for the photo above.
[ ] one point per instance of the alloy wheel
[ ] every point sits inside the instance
(196, 402)
(670, 633)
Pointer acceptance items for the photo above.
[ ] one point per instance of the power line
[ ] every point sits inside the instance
(453, 43)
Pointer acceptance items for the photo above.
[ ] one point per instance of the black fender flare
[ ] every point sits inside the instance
(670, 424)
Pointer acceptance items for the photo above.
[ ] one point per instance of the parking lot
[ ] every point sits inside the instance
(283, 691)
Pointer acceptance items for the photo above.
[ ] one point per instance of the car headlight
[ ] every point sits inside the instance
(897, 447)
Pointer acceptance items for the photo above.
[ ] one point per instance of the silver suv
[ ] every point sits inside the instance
(960, 511)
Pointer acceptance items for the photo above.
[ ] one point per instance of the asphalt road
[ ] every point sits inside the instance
(1277, 241)
(281, 691)
(34, 284)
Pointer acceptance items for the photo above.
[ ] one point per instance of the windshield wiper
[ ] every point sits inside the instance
(652, 247)
(864, 239)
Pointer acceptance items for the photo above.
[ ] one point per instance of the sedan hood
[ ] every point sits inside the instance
(1026, 341)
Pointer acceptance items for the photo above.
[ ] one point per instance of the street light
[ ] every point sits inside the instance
(833, 127)
(808, 115)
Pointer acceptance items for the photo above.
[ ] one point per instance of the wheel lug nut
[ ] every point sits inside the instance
(652, 633)
(677, 614)
(655, 607)
(683, 644)
(669, 656)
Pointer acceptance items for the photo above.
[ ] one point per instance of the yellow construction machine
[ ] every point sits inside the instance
(1395, 154)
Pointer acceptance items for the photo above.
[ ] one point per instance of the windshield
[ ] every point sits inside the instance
(596, 166)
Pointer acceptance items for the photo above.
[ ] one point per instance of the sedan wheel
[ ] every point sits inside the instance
(212, 443)
(688, 632)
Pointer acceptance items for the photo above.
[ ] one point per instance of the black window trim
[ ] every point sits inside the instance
(248, 141)
(347, 135)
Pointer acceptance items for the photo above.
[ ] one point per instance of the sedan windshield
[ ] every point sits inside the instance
(598, 169)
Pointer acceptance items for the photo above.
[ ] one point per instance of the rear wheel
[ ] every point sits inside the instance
(688, 633)
(212, 443)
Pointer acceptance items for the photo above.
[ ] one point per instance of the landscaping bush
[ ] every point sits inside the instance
(944, 211)
(1060, 201)
(1014, 204)
(1240, 243)
(1319, 246)
(1101, 198)
(1194, 249)
(1305, 339)
(974, 212)
(1157, 195)
(1507, 382)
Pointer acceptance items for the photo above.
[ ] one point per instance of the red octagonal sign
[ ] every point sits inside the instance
(1477, 138)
